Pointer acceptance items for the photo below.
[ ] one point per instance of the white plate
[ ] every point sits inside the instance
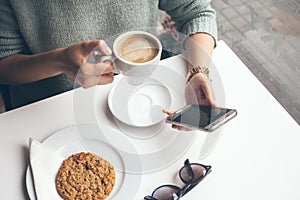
(105, 142)
(139, 105)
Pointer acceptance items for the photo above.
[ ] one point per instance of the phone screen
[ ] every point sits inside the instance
(200, 116)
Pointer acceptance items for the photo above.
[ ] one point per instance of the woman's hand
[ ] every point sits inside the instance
(75, 63)
(199, 90)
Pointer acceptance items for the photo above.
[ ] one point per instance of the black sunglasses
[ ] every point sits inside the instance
(191, 174)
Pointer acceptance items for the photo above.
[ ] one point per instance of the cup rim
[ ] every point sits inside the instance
(121, 36)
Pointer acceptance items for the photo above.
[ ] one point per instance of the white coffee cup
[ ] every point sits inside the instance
(136, 54)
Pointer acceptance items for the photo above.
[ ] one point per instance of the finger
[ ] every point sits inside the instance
(168, 112)
(180, 128)
(106, 79)
(89, 69)
(87, 82)
(208, 94)
(103, 48)
(88, 46)
(103, 68)
(176, 127)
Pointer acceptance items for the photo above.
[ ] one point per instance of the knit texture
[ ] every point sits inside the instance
(35, 26)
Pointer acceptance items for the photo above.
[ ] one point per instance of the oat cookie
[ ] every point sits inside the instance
(85, 176)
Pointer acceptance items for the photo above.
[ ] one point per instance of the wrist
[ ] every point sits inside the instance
(58, 58)
(196, 70)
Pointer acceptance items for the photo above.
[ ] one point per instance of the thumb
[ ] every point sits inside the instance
(88, 46)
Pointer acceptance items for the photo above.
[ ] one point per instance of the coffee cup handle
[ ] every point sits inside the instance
(107, 58)
(112, 59)
(96, 57)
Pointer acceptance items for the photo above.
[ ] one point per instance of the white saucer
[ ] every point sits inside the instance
(139, 105)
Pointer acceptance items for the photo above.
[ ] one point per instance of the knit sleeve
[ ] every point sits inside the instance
(192, 16)
(11, 40)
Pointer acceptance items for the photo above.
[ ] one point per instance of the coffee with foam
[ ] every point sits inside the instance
(137, 48)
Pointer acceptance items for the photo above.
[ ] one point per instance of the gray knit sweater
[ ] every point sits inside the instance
(35, 26)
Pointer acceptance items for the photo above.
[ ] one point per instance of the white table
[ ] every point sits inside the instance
(254, 156)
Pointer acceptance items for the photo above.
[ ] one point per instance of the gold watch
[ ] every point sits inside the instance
(195, 70)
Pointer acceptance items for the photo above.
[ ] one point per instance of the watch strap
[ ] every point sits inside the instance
(195, 70)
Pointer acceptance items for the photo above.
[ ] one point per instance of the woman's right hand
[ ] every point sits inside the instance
(74, 62)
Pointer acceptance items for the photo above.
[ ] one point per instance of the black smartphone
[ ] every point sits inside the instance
(207, 118)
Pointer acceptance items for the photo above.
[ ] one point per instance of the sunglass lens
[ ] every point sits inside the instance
(166, 193)
(197, 172)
